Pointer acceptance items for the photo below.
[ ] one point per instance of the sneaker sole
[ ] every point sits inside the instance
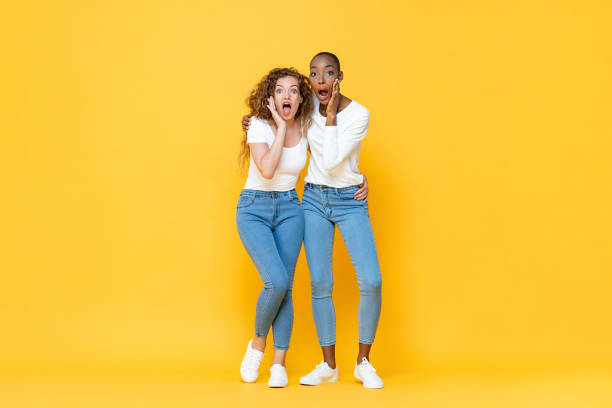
(356, 375)
(331, 380)
(278, 385)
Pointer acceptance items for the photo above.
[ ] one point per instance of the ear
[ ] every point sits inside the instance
(340, 76)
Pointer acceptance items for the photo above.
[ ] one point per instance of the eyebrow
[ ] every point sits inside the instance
(330, 65)
(290, 86)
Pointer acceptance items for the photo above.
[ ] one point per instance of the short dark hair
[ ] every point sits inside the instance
(329, 54)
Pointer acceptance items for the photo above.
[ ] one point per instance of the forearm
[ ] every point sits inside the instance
(339, 144)
(330, 147)
(269, 161)
(330, 120)
(337, 148)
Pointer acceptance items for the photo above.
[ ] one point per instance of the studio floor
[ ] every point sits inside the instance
(557, 389)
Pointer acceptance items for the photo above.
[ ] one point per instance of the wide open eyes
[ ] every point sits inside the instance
(329, 73)
(293, 91)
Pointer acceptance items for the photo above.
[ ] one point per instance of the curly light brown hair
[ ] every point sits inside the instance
(258, 104)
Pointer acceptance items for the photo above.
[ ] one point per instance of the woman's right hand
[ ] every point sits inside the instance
(280, 122)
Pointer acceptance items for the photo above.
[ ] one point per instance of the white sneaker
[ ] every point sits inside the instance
(365, 373)
(249, 369)
(320, 375)
(278, 376)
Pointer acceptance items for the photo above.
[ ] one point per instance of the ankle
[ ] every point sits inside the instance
(259, 344)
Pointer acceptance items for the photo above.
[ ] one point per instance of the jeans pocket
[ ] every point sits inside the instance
(245, 200)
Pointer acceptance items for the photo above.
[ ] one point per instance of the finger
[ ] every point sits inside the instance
(271, 105)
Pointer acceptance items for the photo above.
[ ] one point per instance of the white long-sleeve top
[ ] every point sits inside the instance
(334, 150)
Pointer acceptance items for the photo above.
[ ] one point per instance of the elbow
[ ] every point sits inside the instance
(268, 175)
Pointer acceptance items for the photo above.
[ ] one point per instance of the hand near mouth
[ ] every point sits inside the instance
(332, 106)
(280, 122)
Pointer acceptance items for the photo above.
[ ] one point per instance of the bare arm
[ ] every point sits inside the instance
(267, 158)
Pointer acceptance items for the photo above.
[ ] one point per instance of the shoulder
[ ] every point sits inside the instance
(261, 126)
(258, 123)
(259, 131)
(358, 110)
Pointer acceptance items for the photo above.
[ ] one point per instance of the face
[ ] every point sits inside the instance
(287, 97)
(323, 73)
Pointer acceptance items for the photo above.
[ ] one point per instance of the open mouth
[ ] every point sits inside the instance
(323, 94)
(286, 108)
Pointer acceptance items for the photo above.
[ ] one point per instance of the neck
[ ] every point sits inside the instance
(290, 122)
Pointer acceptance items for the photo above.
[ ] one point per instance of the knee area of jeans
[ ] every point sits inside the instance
(371, 286)
(280, 287)
(322, 288)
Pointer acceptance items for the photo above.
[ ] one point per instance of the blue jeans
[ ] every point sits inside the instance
(271, 227)
(324, 208)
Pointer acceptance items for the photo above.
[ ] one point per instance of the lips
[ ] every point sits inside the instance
(322, 94)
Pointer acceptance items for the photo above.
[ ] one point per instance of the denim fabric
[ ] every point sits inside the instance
(325, 207)
(271, 227)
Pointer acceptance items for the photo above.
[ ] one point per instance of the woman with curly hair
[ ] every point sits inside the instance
(269, 216)
(335, 193)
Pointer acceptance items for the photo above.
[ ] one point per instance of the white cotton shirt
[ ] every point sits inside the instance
(334, 150)
(292, 161)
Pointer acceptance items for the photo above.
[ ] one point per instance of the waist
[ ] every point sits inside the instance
(268, 194)
(324, 187)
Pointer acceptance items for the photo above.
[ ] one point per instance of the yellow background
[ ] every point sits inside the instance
(488, 158)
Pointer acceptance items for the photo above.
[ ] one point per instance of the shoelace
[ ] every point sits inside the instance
(366, 366)
(319, 367)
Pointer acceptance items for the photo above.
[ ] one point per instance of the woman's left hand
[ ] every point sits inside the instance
(362, 193)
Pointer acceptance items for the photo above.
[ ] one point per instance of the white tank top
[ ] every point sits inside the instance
(292, 161)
